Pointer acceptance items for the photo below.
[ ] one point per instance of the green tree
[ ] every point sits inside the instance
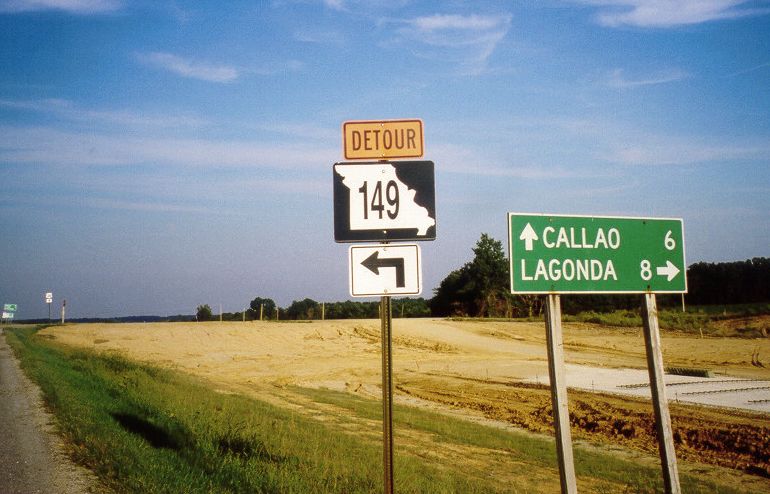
(450, 298)
(307, 309)
(489, 278)
(480, 287)
(410, 307)
(203, 313)
(265, 305)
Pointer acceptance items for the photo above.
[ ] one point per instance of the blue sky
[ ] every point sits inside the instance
(159, 155)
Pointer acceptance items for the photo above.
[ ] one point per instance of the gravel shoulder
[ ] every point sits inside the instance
(32, 456)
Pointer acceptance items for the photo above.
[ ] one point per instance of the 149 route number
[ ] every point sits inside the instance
(380, 202)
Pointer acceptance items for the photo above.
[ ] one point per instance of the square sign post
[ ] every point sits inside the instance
(555, 254)
(384, 201)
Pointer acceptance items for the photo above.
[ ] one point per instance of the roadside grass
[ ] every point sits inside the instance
(525, 447)
(145, 429)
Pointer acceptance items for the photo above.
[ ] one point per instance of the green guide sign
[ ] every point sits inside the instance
(595, 254)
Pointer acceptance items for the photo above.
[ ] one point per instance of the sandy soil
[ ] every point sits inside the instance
(494, 371)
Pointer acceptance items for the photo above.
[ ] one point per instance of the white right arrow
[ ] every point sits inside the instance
(668, 270)
(528, 235)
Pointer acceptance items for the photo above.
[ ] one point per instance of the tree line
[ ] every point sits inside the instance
(266, 309)
(481, 288)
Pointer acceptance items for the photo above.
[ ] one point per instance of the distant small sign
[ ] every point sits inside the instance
(9, 308)
(382, 139)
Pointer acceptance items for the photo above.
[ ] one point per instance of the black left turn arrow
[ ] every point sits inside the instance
(373, 263)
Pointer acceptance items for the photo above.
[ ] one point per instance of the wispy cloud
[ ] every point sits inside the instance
(273, 68)
(465, 39)
(663, 151)
(66, 109)
(667, 13)
(335, 4)
(43, 145)
(749, 70)
(146, 206)
(81, 7)
(190, 68)
(319, 37)
(618, 80)
(303, 131)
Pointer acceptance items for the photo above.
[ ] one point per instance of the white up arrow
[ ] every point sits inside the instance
(528, 235)
(668, 270)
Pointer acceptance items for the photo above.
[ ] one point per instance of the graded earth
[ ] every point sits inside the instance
(494, 372)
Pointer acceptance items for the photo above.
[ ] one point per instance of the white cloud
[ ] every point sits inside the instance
(668, 13)
(319, 37)
(153, 206)
(749, 70)
(468, 40)
(618, 80)
(83, 7)
(658, 151)
(67, 109)
(303, 131)
(335, 4)
(47, 146)
(277, 68)
(189, 68)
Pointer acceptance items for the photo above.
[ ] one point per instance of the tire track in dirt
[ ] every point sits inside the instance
(737, 441)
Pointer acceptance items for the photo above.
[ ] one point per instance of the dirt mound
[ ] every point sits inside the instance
(700, 435)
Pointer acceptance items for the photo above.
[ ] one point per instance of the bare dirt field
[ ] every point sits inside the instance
(488, 371)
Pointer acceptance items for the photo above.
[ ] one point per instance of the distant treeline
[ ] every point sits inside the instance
(308, 309)
(480, 289)
(177, 318)
(725, 283)
(738, 282)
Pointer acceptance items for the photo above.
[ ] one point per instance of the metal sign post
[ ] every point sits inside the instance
(658, 387)
(387, 393)
(557, 373)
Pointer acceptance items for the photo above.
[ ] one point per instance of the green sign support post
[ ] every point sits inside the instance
(555, 254)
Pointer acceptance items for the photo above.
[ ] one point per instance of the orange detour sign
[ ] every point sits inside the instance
(382, 139)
